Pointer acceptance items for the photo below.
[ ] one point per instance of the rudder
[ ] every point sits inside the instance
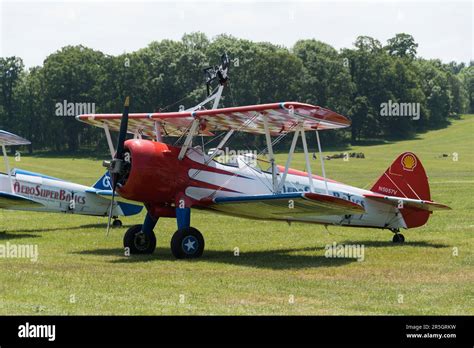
(407, 178)
(103, 183)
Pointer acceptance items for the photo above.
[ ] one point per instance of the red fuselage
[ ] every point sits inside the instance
(158, 178)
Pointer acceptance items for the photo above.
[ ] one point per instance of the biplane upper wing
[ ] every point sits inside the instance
(7, 138)
(280, 117)
(286, 206)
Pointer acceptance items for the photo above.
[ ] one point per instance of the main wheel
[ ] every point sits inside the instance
(398, 238)
(116, 223)
(138, 242)
(187, 243)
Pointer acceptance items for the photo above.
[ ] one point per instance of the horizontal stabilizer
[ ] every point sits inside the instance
(130, 209)
(408, 202)
(108, 195)
(104, 193)
(285, 206)
(13, 201)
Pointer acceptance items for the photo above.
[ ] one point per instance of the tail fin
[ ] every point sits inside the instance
(104, 183)
(407, 178)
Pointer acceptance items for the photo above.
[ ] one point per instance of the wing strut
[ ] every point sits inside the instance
(158, 136)
(308, 164)
(322, 162)
(109, 139)
(189, 139)
(7, 166)
(270, 154)
(220, 146)
(290, 157)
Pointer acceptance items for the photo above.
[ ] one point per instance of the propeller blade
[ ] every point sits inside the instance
(116, 166)
(110, 217)
(111, 208)
(123, 129)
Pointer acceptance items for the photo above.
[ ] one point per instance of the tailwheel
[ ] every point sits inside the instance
(138, 242)
(398, 238)
(187, 243)
(117, 223)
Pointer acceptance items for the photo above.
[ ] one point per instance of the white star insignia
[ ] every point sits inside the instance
(189, 244)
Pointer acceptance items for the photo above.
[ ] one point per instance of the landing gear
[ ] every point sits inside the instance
(138, 242)
(140, 239)
(397, 237)
(117, 223)
(187, 243)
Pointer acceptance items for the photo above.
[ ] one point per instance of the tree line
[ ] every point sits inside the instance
(355, 82)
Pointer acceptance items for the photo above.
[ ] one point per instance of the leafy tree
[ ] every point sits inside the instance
(31, 121)
(436, 89)
(402, 45)
(166, 74)
(11, 69)
(467, 77)
(361, 114)
(70, 75)
(325, 81)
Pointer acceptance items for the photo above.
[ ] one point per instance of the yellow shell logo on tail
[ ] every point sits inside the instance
(409, 162)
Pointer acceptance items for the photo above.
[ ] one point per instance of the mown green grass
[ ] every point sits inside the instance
(277, 262)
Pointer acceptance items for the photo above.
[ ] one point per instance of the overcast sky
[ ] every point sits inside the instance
(35, 29)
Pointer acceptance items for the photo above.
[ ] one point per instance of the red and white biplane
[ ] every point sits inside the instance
(170, 180)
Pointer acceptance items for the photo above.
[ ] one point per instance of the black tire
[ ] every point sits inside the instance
(117, 223)
(180, 247)
(398, 238)
(138, 242)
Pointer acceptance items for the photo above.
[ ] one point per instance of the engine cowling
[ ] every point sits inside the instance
(155, 174)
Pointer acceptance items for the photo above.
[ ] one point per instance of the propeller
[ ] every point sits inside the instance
(116, 166)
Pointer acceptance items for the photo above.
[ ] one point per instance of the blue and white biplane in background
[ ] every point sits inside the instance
(25, 190)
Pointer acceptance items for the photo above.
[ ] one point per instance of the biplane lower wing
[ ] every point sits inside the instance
(13, 201)
(285, 206)
(408, 202)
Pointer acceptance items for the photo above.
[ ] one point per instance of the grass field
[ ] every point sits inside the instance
(280, 269)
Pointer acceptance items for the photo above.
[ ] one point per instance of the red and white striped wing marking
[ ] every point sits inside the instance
(281, 117)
